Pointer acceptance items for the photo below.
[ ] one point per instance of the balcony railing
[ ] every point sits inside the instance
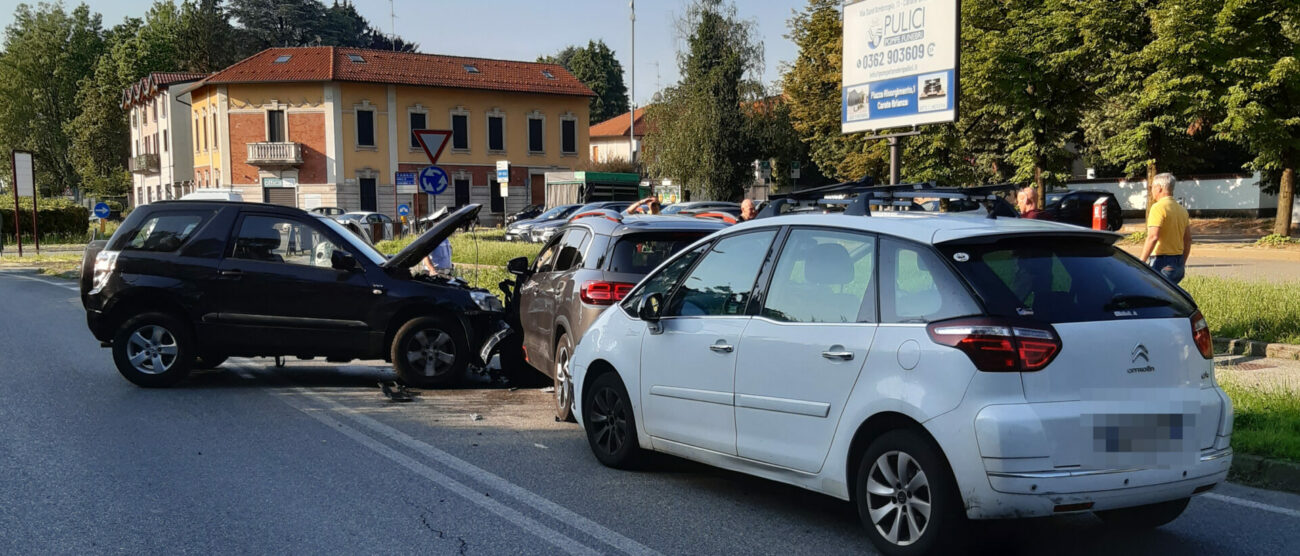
(269, 154)
(146, 163)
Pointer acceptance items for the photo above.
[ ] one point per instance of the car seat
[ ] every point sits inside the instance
(259, 242)
(827, 268)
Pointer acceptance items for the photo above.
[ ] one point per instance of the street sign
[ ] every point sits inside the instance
(403, 210)
(433, 141)
(503, 172)
(25, 184)
(505, 188)
(794, 169)
(405, 178)
(101, 210)
(405, 183)
(433, 180)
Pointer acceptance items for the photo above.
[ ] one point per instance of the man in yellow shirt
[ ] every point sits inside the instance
(1169, 237)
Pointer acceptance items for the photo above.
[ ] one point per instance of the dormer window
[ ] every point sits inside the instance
(547, 74)
(282, 58)
(356, 58)
(471, 68)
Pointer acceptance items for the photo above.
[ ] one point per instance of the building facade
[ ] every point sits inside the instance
(332, 127)
(161, 161)
(609, 139)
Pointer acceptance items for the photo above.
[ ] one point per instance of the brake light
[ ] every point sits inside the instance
(604, 293)
(1201, 333)
(995, 345)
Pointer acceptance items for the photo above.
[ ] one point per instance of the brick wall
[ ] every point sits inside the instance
(245, 129)
(308, 129)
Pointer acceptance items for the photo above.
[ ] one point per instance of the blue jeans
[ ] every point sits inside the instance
(1171, 266)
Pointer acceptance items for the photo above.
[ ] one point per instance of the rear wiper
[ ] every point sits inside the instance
(1129, 301)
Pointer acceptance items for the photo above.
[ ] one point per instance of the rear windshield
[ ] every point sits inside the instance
(1061, 280)
(641, 253)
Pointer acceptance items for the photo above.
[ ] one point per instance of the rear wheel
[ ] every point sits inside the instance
(429, 351)
(611, 430)
(907, 498)
(1149, 516)
(153, 350)
(563, 380)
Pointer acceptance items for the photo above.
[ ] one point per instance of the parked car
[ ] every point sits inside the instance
(328, 211)
(590, 265)
(678, 207)
(186, 284)
(1001, 207)
(518, 231)
(730, 215)
(1075, 207)
(211, 194)
(376, 225)
(543, 231)
(929, 368)
(530, 212)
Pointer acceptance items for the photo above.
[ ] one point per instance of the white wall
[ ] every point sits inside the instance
(1217, 192)
(611, 148)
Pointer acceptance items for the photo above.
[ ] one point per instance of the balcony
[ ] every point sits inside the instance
(146, 163)
(274, 154)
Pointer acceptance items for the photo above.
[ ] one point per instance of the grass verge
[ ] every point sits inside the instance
(489, 249)
(1267, 419)
(1260, 311)
(64, 265)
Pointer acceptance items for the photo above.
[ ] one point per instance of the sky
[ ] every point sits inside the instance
(526, 29)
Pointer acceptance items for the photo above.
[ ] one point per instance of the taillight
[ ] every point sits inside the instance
(995, 345)
(604, 293)
(1201, 333)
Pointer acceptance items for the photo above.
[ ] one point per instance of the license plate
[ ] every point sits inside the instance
(1124, 433)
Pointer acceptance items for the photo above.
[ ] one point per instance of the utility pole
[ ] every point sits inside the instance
(392, 24)
(631, 115)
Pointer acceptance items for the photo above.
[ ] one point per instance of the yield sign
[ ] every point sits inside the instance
(433, 141)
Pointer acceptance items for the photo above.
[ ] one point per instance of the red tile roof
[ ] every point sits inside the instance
(617, 126)
(329, 63)
(148, 86)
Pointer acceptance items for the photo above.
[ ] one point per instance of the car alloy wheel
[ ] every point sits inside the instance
(151, 349)
(898, 497)
(609, 420)
(563, 381)
(431, 352)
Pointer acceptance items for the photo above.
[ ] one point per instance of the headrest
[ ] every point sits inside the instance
(828, 264)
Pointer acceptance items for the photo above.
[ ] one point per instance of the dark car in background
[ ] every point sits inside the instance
(1075, 207)
(588, 266)
(186, 284)
(542, 232)
(529, 212)
(518, 230)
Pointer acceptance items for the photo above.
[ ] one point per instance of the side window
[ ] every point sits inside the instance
(723, 281)
(663, 282)
(163, 232)
(282, 240)
(546, 258)
(571, 248)
(824, 276)
(916, 287)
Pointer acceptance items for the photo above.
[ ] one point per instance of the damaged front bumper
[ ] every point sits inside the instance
(502, 332)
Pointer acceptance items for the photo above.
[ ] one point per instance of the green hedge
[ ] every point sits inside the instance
(60, 217)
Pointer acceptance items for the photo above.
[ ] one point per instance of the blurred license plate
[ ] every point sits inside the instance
(1124, 433)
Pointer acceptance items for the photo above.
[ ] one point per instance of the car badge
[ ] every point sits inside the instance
(1140, 352)
(961, 257)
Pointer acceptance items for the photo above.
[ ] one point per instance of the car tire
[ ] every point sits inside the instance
(611, 427)
(209, 361)
(1149, 516)
(563, 380)
(154, 350)
(904, 466)
(428, 352)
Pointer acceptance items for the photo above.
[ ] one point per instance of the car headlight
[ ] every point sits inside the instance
(487, 301)
(105, 262)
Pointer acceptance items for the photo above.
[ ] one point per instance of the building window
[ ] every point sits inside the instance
(196, 135)
(535, 134)
(365, 128)
(216, 145)
(568, 136)
(205, 134)
(418, 122)
(164, 140)
(496, 132)
(275, 132)
(162, 105)
(460, 130)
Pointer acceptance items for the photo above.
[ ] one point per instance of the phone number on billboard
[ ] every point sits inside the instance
(895, 56)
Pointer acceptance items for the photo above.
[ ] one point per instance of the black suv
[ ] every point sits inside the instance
(1075, 207)
(185, 284)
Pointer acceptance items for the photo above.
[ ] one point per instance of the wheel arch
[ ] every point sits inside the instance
(145, 300)
(876, 425)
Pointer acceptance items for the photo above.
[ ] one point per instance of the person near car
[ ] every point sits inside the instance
(649, 205)
(747, 210)
(1027, 202)
(439, 261)
(1169, 236)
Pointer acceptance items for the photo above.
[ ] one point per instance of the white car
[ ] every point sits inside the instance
(211, 194)
(931, 368)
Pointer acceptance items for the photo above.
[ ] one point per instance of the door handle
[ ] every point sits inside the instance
(721, 348)
(838, 355)
(232, 273)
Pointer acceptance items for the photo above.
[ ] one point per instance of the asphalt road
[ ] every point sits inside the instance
(312, 459)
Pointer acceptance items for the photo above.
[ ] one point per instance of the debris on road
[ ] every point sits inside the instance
(396, 392)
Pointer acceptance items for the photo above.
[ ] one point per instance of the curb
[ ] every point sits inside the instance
(1233, 346)
(1265, 472)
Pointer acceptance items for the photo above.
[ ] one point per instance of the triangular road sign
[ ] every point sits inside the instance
(433, 141)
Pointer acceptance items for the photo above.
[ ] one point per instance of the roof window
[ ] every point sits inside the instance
(282, 58)
(356, 58)
(471, 68)
(547, 74)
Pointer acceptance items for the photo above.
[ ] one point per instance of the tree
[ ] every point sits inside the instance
(210, 41)
(268, 23)
(698, 136)
(47, 53)
(1263, 101)
(596, 67)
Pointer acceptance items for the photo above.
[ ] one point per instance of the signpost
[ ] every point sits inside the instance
(24, 185)
(900, 67)
(101, 212)
(403, 210)
(503, 177)
(433, 141)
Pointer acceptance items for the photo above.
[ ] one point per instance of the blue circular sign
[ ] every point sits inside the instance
(403, 210)
(433, 180)
(101, 210)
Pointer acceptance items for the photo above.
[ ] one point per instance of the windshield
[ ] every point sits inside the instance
(1058, 280)
(672, 209)
(359, 248)
(641, 253)
(558, 212)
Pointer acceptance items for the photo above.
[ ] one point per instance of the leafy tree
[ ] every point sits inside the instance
(562, 57)
(698, 138)
(596, 67)
(210, 42)
(1263, 101)
(47, 53)
(773, 136)
(268, 23)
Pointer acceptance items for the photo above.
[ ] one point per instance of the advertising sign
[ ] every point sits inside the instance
(900, 63)
(23, 178)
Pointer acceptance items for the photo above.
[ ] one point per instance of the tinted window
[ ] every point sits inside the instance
(281, 240)
(824, 276)
(915, 286)
(663, 281)
(1061, 280)
(724, 280)
(163, 232)
(571, 248)
(641, 253)
(546, 257)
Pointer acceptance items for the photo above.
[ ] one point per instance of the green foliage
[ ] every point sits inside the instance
(210, 40)
(1261, 311)
(1137, 238)
(267, 23)
(1274, 240)
(1266, 419)
(57, 217)
(596, 67)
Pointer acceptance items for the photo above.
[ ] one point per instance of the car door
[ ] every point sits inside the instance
(799, 358)
(536, 308)
(688, 367)
(281, 290)
(560, 292)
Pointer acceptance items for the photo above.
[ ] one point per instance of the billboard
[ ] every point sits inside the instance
(900, 63)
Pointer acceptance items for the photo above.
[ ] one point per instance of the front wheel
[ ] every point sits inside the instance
(153, 350)
(1149, 516)
(907, 498)
(428, 352)
(611, 430)
(563, 380)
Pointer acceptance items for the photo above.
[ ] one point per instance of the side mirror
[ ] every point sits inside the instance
(517, 266)
(650, 308)
(342, 260)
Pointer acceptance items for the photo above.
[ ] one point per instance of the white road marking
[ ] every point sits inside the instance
(43, 281)
(1252, 504)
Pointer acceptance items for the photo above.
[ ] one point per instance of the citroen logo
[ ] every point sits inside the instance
(1140, 352)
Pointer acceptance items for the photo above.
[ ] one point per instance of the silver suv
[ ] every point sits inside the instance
(587, 266)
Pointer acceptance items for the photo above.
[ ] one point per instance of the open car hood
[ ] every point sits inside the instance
(423, 245)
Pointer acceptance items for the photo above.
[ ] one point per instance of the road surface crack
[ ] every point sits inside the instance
(461, 545)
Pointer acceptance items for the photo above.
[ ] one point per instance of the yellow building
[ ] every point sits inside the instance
(332, 127)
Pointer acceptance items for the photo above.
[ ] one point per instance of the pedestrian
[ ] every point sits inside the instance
(1027, 201)
(439, 261)
(747, 210)
(649, 204)
(1169, 235)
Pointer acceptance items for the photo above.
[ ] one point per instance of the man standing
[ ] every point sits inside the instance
(747, 210)
(439, 261)
(1027, 199)
(1169, 237)
(648, 205)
